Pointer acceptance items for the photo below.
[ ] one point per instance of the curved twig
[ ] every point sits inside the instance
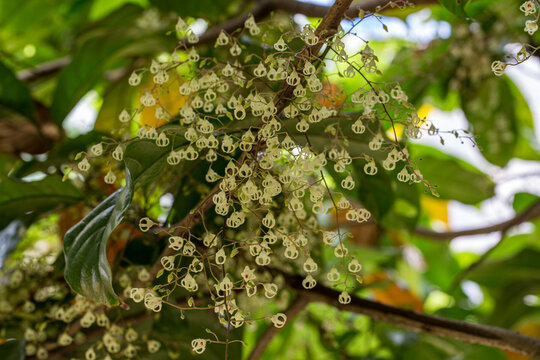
(530, 213)
(260, 11)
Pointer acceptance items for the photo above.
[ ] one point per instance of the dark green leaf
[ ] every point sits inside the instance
(18, 198)
(522, 265)
(456, 179)
(84, 71)
(87, 269)
(14, 95)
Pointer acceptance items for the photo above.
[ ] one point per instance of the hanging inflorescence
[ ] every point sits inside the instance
(280, 152)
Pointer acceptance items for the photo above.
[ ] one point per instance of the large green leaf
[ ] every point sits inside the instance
(117, 97)
(456, 179)
(87, 269)
(18, 198)
(14, 95)
(86, 68)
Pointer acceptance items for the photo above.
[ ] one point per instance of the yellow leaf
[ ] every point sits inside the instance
(436, 209)
(168, 97)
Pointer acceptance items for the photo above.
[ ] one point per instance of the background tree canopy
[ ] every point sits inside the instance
(80, 251)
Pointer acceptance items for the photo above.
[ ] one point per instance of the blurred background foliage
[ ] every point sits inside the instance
(64, 66)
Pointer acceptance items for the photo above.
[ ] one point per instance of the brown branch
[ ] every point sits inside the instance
(265, 7)
(259, 12)
(43, 70)
(184, 226)
(430, 324)
(530, 213)
(294, 309)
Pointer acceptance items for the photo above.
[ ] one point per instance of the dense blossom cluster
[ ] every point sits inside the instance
(48, 312)
(260, 118)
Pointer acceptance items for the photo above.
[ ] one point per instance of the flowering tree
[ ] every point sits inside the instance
(258, 173)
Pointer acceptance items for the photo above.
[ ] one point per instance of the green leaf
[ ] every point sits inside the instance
(442, 266)
(116, 98)
(18, 198)
(87, 269)
(523, 200)
(146, 161)
(455, 178)
(85, 70)
(14, 95)
(456, 7)
(491, 111)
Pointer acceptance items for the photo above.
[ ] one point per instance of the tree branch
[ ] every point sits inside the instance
(265, 7)
(260, 11)
(530, 213)
(436, 325)
(43, 70)
(262, 343)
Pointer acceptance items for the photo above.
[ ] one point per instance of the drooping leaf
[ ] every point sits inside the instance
(456, 179)
(14, 95)
(18, 198)
(87, 269)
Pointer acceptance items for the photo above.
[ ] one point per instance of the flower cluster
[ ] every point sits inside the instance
(279, 155)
